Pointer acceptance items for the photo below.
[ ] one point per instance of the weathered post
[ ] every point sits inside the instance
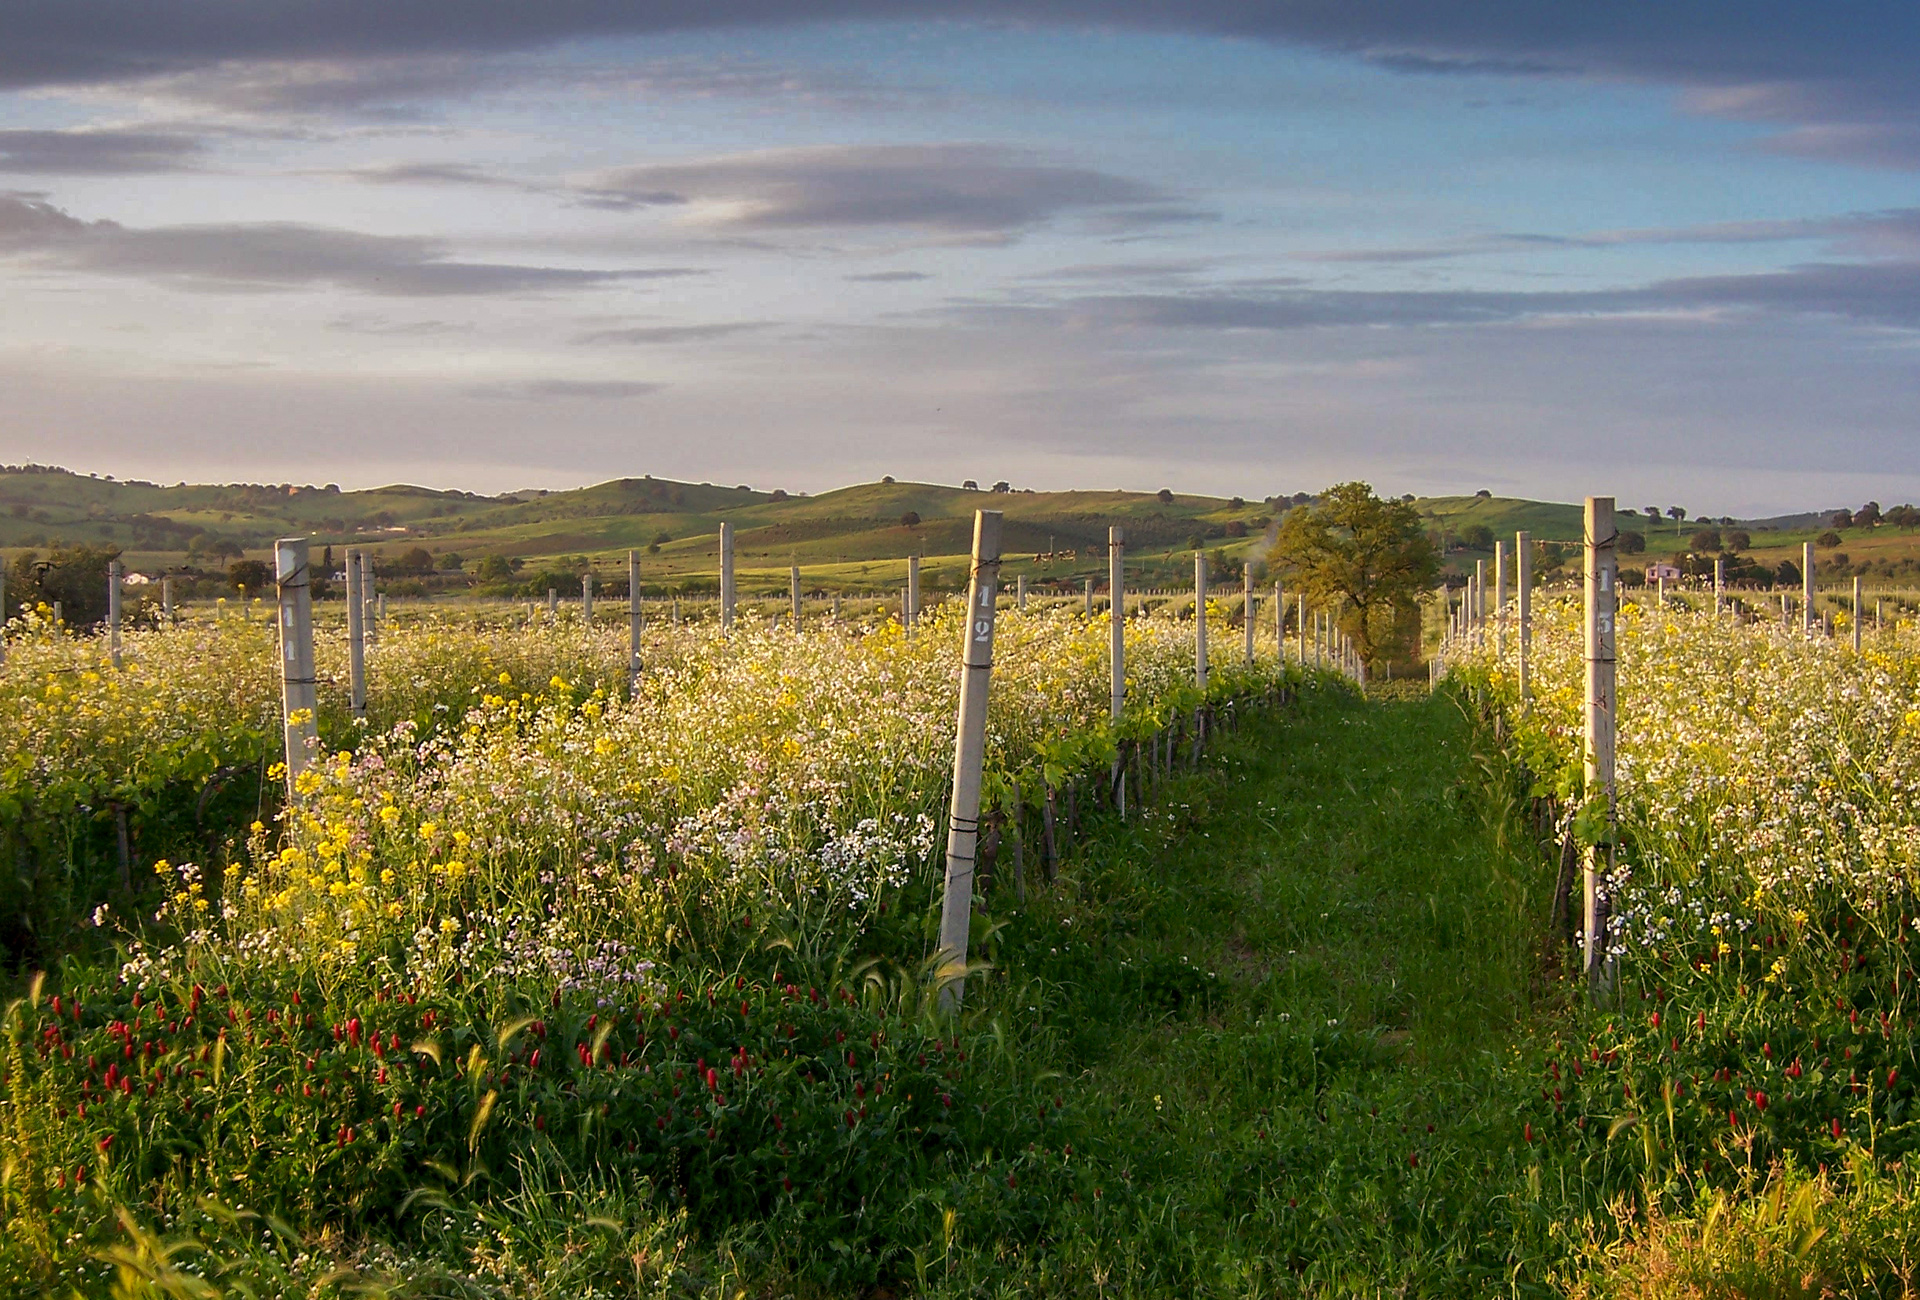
(1200, 620)
(793, 595)
(296, 657)
(1280, 623)
(1601, 715)
(356, 638)
(913, 593)
(634, 622)
(1856, 619)
(166, 599)
(1806, 587)
(1117, 649)
(1499, 599)
(553, 606)
(1089, 609)
(726, 577)
(586, 598)
(1020, 593)
(1246, 606)
(1719, 584)
(969, 750)
(1479, 593)
(367, 605)
(1523, 609)
(115, 579)
(1300, 626)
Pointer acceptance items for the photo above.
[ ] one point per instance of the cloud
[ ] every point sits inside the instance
(652, 334)
(391, 88)
(97, 152)
(949, 189)
(547, 390)
(887, 277)
(381, 327)
(422, 173)
(1839, 78)
(1879, 294)
(235, 256)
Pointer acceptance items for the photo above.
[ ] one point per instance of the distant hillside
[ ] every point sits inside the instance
(853, 538)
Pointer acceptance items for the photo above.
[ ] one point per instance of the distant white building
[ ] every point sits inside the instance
(1659, 569)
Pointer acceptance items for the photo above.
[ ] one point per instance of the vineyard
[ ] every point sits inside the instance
(558, 981)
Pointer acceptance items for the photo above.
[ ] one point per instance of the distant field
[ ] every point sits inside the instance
(852, 539)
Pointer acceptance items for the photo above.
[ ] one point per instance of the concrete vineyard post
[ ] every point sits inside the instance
(356, 638)
(297, 700)
(1020, 593)
(1117, 648)
(1479, 593)
(726, 577)
(1601, 716)
(166, 600)
(553, 605)
(115, 576)
(586, 598)
(1806, 587)
(1246, 607)
(634, 621)
(1280, 623)
(913, 593)
(1300, 626)
(1089, 609)
(366, 598)
(1200, 620)
(1523, 609)
(1719, 584)
(1499, 599)
(1856, 620)
(969, 752)
(793, 594)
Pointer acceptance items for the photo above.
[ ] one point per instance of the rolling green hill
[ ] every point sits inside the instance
(853, 538)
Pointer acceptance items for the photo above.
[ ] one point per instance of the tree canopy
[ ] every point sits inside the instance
(1370, 559)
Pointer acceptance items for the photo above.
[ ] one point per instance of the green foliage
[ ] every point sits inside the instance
(1369, 558)
(75, 576)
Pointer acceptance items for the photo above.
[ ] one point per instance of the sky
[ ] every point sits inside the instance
(1667, 251)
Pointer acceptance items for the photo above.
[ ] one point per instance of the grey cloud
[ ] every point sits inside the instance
(1891, 233)
(1842, 72)
(403, 88)
(432, 174)
(1885, 294)
(650, 334)
(956, 189)
(382, 87)
(381, 327)
(887, 277)
(233, 257)
(96, 153)
(544, 390)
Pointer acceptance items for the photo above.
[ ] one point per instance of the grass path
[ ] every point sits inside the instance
(1284, 1004)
